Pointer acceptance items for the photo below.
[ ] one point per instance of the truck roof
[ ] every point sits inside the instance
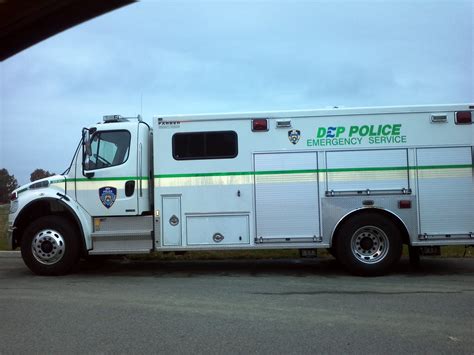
(333, 111)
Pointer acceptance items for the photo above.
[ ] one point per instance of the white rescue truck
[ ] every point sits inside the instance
(360, 182)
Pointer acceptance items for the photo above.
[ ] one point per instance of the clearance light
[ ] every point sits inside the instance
(463, 117)
(404, 204)
(260, 124)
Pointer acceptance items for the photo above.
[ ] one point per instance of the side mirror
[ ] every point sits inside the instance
(86, 141)
(86, 151)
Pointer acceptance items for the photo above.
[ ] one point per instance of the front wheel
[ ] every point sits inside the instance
(368, 244)
(50, 246)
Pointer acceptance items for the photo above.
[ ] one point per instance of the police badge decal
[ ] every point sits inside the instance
(107, 195)
(294, 136)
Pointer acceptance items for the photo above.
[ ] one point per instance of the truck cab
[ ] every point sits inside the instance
(109, 176)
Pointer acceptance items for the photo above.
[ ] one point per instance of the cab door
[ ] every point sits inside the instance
(107, 181)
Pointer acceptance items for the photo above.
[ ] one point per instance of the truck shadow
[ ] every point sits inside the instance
(323, 267)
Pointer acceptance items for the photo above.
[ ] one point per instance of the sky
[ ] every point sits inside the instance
(174, 57)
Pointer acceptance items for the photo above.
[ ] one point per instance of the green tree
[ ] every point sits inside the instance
(40, 174)
(8, 183)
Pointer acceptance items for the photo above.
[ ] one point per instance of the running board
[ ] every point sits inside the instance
(122, 242)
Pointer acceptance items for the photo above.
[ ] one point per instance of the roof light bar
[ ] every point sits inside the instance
(112, 118)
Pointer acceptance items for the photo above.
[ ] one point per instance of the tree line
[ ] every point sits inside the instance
(8, 182)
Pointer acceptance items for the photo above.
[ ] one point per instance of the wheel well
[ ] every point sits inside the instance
(41, 208)
(394, 218)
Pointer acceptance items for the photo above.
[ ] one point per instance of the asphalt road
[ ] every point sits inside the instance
(227, 307)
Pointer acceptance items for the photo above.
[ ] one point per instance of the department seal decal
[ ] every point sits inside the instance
(107, 195)
(294, 136)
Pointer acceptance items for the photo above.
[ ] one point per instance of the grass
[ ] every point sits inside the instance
(450, 251)
(457, 251)
(3, 226)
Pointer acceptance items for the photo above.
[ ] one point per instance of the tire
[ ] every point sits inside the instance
(50, 246)
(368, 244)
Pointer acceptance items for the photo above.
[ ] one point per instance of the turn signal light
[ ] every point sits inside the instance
(463, 117)
(260, 124)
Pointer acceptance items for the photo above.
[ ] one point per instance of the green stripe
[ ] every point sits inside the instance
(267, 172)
(314, 171)
(124, 178)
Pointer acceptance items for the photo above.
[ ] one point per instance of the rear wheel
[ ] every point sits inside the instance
(368, 244)
(50, 246)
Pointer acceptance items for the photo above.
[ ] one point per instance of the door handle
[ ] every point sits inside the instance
(129, 188)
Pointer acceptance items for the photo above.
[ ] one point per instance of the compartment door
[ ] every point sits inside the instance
(446, 190)
(172, 223)
(225, 229)
(286, 196)
(361, 170)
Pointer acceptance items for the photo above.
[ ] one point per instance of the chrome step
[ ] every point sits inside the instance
(121, 242)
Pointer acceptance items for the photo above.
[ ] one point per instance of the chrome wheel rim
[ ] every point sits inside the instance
(48, 246)
(370, 244)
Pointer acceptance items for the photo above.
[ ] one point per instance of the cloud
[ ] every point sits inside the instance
(206, 56)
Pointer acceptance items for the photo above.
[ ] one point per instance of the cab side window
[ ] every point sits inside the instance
(109, 148)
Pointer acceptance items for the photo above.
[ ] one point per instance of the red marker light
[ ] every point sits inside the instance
(404, 204)
(463, 117)
(260, 124)
(13, 196)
